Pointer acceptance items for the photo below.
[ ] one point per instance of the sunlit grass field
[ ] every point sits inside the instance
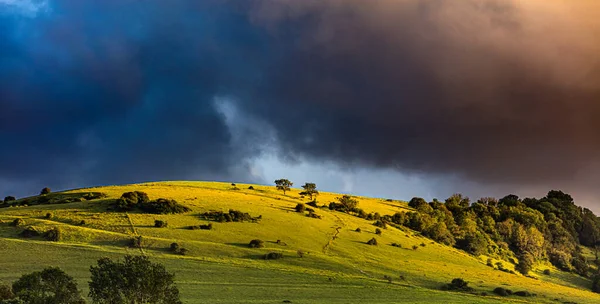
(220, 268)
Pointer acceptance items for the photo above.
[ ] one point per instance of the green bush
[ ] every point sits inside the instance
(256, 244)
(135, 280)
(523, 293)
(9, 199)
(358, 230)
(273, 256)
(45, 191)
(160, 224)
(380, 223)
(300, 207)
(458, 284)
(372, 242)
(547, 271)
(53, 235)
(48, 216)
(250, 188)
(136, 242)
(52, 285)
(378, 231)
(415, 247)
(175, 248)
(163, 206)
(503, 291)
(388, 278)
(29, 233)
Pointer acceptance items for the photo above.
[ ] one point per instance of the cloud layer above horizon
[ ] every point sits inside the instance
(502, 94)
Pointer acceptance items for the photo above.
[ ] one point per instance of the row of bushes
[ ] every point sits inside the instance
(231, 216)
(50, 199)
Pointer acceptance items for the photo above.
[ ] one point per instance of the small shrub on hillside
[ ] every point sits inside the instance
(388, 278)
(300, 253)
(358, 229)
(313, 204)
(273, 256)
(523, 293)
(372, 241)
(300, 207)
(29, 233)
(397, 245)
(82, 223)
(45, 191)
(312, 214)
(378, 231)
(136, 242)
(160, 224)
(48, 216)
(53, 235)
(250, 188)
(176, 249)
(490, 262)
(9, 199)
(415, 247)
(6, 292)
(94, 195)
(503, 292)
(458, 284)
(256, 244)
(17, 222)
(206, 227)
(422, 245)
(380, 223)
(547, 271)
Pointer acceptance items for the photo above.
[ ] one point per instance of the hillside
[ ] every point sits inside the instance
(337, 265)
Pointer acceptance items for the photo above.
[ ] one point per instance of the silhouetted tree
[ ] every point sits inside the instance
(348, 203)
(283, 185)
(45, 191)
(310, 189)
(136, 280)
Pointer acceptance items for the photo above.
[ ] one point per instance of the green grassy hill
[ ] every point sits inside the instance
(219, 267)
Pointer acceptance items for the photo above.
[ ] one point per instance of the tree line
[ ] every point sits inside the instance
(135, 280)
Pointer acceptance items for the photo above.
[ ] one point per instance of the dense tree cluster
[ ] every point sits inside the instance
(529, 230)
(138, 200)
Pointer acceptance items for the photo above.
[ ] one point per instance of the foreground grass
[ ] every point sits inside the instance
(221, 269)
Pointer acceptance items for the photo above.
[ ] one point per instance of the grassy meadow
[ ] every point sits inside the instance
(219, 267)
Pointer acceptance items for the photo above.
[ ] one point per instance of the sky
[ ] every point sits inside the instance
(385, 98)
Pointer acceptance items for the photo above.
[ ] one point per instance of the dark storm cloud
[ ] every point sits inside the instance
(97, 92)
(122, 91)
(493, 91)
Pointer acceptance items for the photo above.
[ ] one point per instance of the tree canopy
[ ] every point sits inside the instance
(283, 184)
(135, 280)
